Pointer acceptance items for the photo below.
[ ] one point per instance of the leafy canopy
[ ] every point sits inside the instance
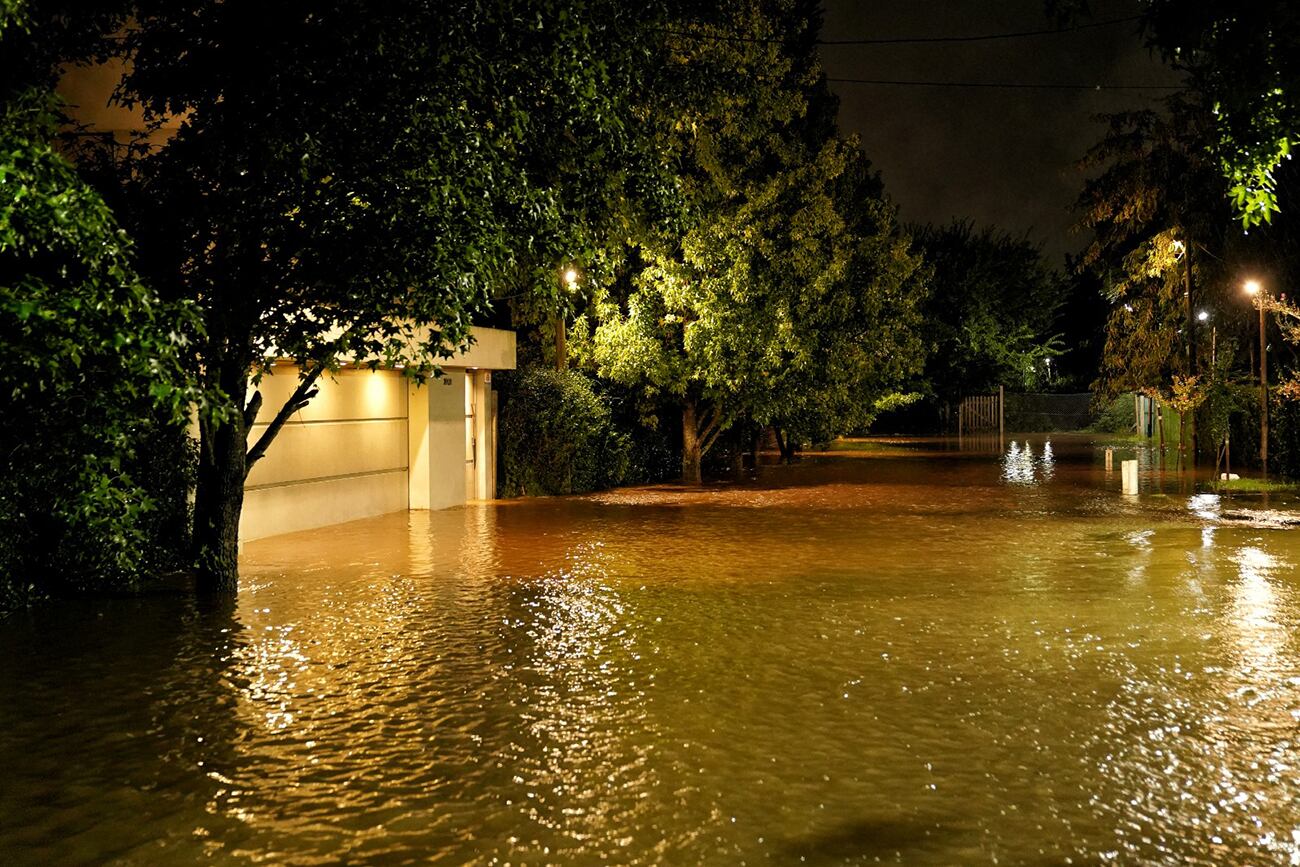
(992, 312)
(94, 359)
(1243, 57)
(740, 306)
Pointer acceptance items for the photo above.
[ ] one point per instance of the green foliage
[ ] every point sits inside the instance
(1116, 416)
(1240, 56)
(991, 313)
(1154, 207)
(12, 14)
(356, 181)
(93, 373)
(558, 436)
(1284, 437)
(783, 294)
(1224, 401)
(1254, 486)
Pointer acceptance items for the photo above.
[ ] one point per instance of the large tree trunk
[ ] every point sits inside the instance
(224, 461)
(692, 455)
(219, 493)
(785, 445)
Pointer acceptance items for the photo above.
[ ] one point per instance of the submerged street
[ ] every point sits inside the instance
(907, 653)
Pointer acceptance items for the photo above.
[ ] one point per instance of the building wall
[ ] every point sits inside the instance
(371, 443)
(343, 456)
(437, 442)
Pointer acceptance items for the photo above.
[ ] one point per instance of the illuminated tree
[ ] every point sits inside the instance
(746, 306)
(991, 313)
(1153, 206)
(345, 174)
(1243, 58)
(92, 372)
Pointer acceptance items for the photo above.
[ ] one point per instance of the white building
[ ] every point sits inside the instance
(371, 443)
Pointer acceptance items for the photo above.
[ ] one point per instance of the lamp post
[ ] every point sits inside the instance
(1203, 316)
(1255, 289)
(570, 279)
(1183, 251)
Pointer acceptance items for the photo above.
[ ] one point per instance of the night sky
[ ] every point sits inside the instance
(1001, 157)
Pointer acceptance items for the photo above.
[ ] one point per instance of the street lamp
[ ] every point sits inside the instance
(570, 278)
(1255, 289)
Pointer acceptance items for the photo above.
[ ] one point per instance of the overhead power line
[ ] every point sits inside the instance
(1004, 85)
(985, 37)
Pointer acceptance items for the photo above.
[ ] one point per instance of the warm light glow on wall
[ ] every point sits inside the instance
(377, 393)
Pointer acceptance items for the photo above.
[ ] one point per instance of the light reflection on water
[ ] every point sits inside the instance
(1021, 467)
(920, 658)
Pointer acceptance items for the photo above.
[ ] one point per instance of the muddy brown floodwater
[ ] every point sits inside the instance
(908, 654)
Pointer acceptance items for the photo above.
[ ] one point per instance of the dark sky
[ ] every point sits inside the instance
(1000, 157)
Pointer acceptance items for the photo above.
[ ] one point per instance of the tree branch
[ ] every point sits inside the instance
(253, 408)
(301, 396)
(709, 433)
(714, 416)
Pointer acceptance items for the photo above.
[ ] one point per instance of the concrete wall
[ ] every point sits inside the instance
(437, 442)
(371, 443)
(343, 456)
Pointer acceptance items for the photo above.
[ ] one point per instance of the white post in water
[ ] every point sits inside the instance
(1129, 473)
(1110, 460)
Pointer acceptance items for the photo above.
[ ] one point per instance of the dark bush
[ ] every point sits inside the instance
(53, 542)
(1115, 416)
(558, 435)
(1284, 437)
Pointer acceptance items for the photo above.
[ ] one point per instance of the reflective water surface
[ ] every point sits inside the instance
(898, 655)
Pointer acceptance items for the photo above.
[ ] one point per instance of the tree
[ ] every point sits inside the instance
(860, 334)
(1243, 58)
(349, 183)
(92, 357)
(719, 310)
(1156, 212)
(992, 312)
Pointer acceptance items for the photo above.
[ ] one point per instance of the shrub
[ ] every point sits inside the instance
(93, 376)
(558, 436)
(1284, 437)
(74, 520)
(1116, 416)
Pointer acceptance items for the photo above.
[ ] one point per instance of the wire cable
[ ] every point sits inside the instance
(1005, 85)
(986, 37)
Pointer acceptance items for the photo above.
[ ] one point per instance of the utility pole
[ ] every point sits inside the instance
(1256, 290)
(1191, 329)
(1263, 391)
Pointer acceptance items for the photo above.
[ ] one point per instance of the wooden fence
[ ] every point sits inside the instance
(982, 413)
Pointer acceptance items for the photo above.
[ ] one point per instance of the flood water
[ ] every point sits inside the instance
(909, 654)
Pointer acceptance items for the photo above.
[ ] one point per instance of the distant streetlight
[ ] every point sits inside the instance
(570, 278)
(1203, 315)
(1255, 289)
